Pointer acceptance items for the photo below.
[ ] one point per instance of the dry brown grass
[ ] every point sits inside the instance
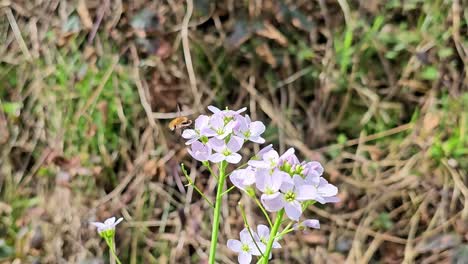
(377, 93)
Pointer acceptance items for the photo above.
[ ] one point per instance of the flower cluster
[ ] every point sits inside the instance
(220, 136)
(285, 182)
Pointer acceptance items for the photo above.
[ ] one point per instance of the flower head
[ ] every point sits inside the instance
(218, 127)
(107, 229)
(246, 246)
(249, 130)
(311, 223)
(194, 134)
(226, 151)
(264, 235)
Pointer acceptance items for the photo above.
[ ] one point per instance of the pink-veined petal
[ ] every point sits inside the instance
(217, 157)
(214, 109)
(217, 145)
(189, 133)
(234, 158)
(109, 221)
(273, 202)
(202, 121)
(234, 245)
(263, 231)
(257, 128)
(306, 192)
(293, 210)
(245, 236)
(258, 164)
(244, 258)
(235, 144)
(312, 223)
(257, 139)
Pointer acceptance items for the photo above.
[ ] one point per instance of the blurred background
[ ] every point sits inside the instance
(374, 90)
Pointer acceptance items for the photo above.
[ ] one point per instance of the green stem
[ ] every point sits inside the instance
(263, 211)
(110, 244)
(273, 232)
(217, 212)
(190, 182)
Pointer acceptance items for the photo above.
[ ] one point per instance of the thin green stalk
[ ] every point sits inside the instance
(274, 230)
(228, 190)
(110, 244)
(190, 182)
(246, 224)
(263, 211)
(217, 212)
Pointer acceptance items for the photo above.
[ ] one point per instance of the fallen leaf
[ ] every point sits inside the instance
(265, 53)
(269, 31)
(83, 12)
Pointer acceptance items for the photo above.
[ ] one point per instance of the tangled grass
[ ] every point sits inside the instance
(376, 91)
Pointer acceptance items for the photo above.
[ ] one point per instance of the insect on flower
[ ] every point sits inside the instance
(179, 122)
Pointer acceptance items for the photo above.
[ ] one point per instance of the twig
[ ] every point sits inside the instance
(17, 33)
(99, 89)
(187, 56)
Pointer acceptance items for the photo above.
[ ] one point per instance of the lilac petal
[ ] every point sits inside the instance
(217, 121)
(261, 180)
(286, 154)
(202, 121)
(287, 184)
(276, 244)
(217, 157)
(306, 192)
(190, 141)
(264, 150)
(109, 221)
(118, 221)
(257, 128)
(333, 199)
(237, 179)
(293, 210)
(312, 223)
(254, 250)
(242, 125)
(208, 132)
(244, 258)
(241, 110)
(99, 225)
(326, 189)
(235, 144)
(229, 126)
(298, 181)
(234, 158)
(258, 164)
(271, 156)
(312, 178)
(217, 145)
(234, 245)
(214, 109)
(263, 231)
(249, 176)
(277, 179)
(189, 133)
(245, 236)
(315, 166)
(273, 202)
(257, 139)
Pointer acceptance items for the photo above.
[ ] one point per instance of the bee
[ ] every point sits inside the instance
(179, 122)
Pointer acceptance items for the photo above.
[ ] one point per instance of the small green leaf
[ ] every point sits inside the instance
(430, 73)
(12, 108)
